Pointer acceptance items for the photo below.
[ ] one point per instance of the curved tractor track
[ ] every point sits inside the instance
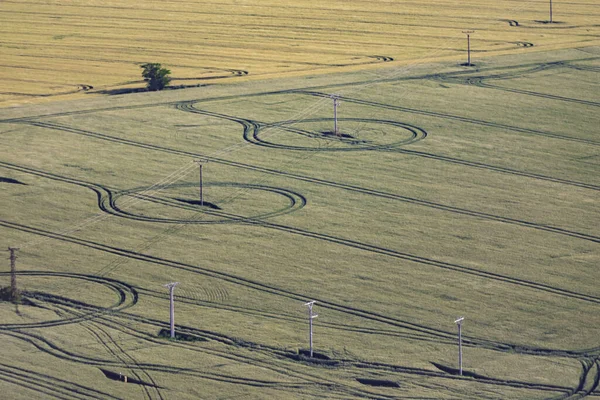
(252, 132)
(479, 80)
(120, 354)
(247, 123)
(123, 360)
(590, 366)
(308, 378)
(453, 117)
(79, 88)
(107, 200)
(278, 353)
(48, 347)
(473, 163)
(587, 383)
(274, 352)
(295, 201)
(255, 285)
(103, 193)
(229, 73)
(349, 143)
(386, 251)
(251, 125)
(126, 294)
(584, 385)
(589, 380)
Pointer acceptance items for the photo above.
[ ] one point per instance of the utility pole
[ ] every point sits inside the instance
(310, 324)
(200, 163)
(460, 364)
(336, 103)
(14, 293)
(550, 11)
(468, 33)
(171, 287)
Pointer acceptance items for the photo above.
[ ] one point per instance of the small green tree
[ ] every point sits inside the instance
(156, 76)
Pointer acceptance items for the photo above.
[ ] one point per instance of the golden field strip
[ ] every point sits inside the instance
(55, 48)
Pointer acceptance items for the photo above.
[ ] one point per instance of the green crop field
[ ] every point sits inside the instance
(447, 191)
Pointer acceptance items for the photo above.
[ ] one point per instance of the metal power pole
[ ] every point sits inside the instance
(200, 163)
(468, 33)
(460, 362)
(13, 274)
(336, 103)
(171, 287)
(310, 324)
(550, 10)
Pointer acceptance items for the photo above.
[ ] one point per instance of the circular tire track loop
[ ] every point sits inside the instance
(469, 342)
(127, 297)
(416, 134)
(252, 130)
(433, 262)
(58, 303)
(295, 202)
(107, 200)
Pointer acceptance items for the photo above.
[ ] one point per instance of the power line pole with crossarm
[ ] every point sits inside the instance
(336, 103)
(460, 362)
(171, 287)
(311, 316)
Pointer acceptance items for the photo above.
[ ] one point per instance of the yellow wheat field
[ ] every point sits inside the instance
(51, 48)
